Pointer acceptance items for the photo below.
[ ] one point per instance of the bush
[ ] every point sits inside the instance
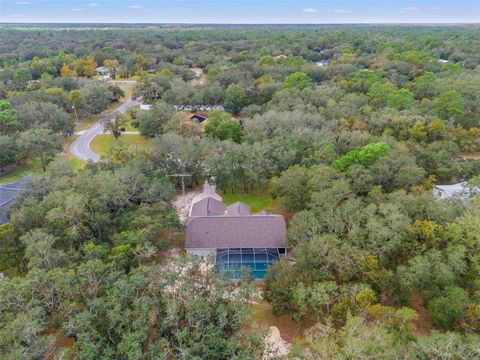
(448, 308)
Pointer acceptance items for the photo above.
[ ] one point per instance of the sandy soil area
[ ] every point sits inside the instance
(182, 205)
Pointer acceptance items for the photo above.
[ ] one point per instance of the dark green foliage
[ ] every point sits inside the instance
(96, 98)
(151, 123)
(222, 127)
(235, 99)
(44, 114)
(21, 77)
(448, 308)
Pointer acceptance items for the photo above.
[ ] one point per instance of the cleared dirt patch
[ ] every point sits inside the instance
(261, 316)
(423, 325)
(60, 342)
(182, 204)
(470, 156)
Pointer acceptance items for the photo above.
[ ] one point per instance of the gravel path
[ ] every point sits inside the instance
(182, 205)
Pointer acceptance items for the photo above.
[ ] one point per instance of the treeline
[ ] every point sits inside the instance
(34, 119)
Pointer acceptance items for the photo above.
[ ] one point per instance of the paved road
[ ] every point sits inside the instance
(80, 148)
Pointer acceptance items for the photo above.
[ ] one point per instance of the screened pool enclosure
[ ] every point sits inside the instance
(230, 261)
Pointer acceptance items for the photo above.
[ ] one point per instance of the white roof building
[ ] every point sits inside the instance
(102, 70)
(460, 191)
(322, 63)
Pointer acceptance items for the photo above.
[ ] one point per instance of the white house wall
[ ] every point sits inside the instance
(203, 253)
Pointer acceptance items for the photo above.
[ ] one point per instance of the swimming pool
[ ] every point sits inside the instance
(229, 262)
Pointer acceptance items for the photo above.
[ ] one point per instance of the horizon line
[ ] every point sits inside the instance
(233, 23)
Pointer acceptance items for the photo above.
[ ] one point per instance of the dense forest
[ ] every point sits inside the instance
(347, 128)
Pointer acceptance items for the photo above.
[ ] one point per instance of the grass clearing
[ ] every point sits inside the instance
(77, 164)
(103, 142)
(128, 119)
(85, 124)
(260, 316)
(127, 89)
(130, 127)
(258, 200)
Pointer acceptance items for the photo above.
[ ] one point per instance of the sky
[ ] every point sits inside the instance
(241, 11)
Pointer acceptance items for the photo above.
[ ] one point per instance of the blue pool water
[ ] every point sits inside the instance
(231, 262)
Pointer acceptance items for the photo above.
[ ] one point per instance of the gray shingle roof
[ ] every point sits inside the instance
(236, 232)
(208, 191)
(8, 194)
(238, 209)
(208, 207)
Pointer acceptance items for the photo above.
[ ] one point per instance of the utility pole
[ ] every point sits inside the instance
(182, 176)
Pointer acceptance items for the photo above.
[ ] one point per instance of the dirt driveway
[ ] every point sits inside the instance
(182, 205)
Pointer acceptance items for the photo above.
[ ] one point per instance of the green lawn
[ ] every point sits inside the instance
(29, 168)
(77, 164)
(127, 89)
(128, 126)
(258, 200)
(102, 143)
(85, 124)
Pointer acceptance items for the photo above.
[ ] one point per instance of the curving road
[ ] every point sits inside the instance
(80, 148)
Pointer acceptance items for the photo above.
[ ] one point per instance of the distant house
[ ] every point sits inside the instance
(8, 195)
(233, 237)
(145, 107)
(102, 70)
(198, 118)
(187, 107)
(460, 191)
(322, 63)
(197, 71)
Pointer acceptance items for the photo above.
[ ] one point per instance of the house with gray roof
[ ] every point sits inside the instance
(208, 206)
(238, 209)
(8, 195)
(233, 237)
